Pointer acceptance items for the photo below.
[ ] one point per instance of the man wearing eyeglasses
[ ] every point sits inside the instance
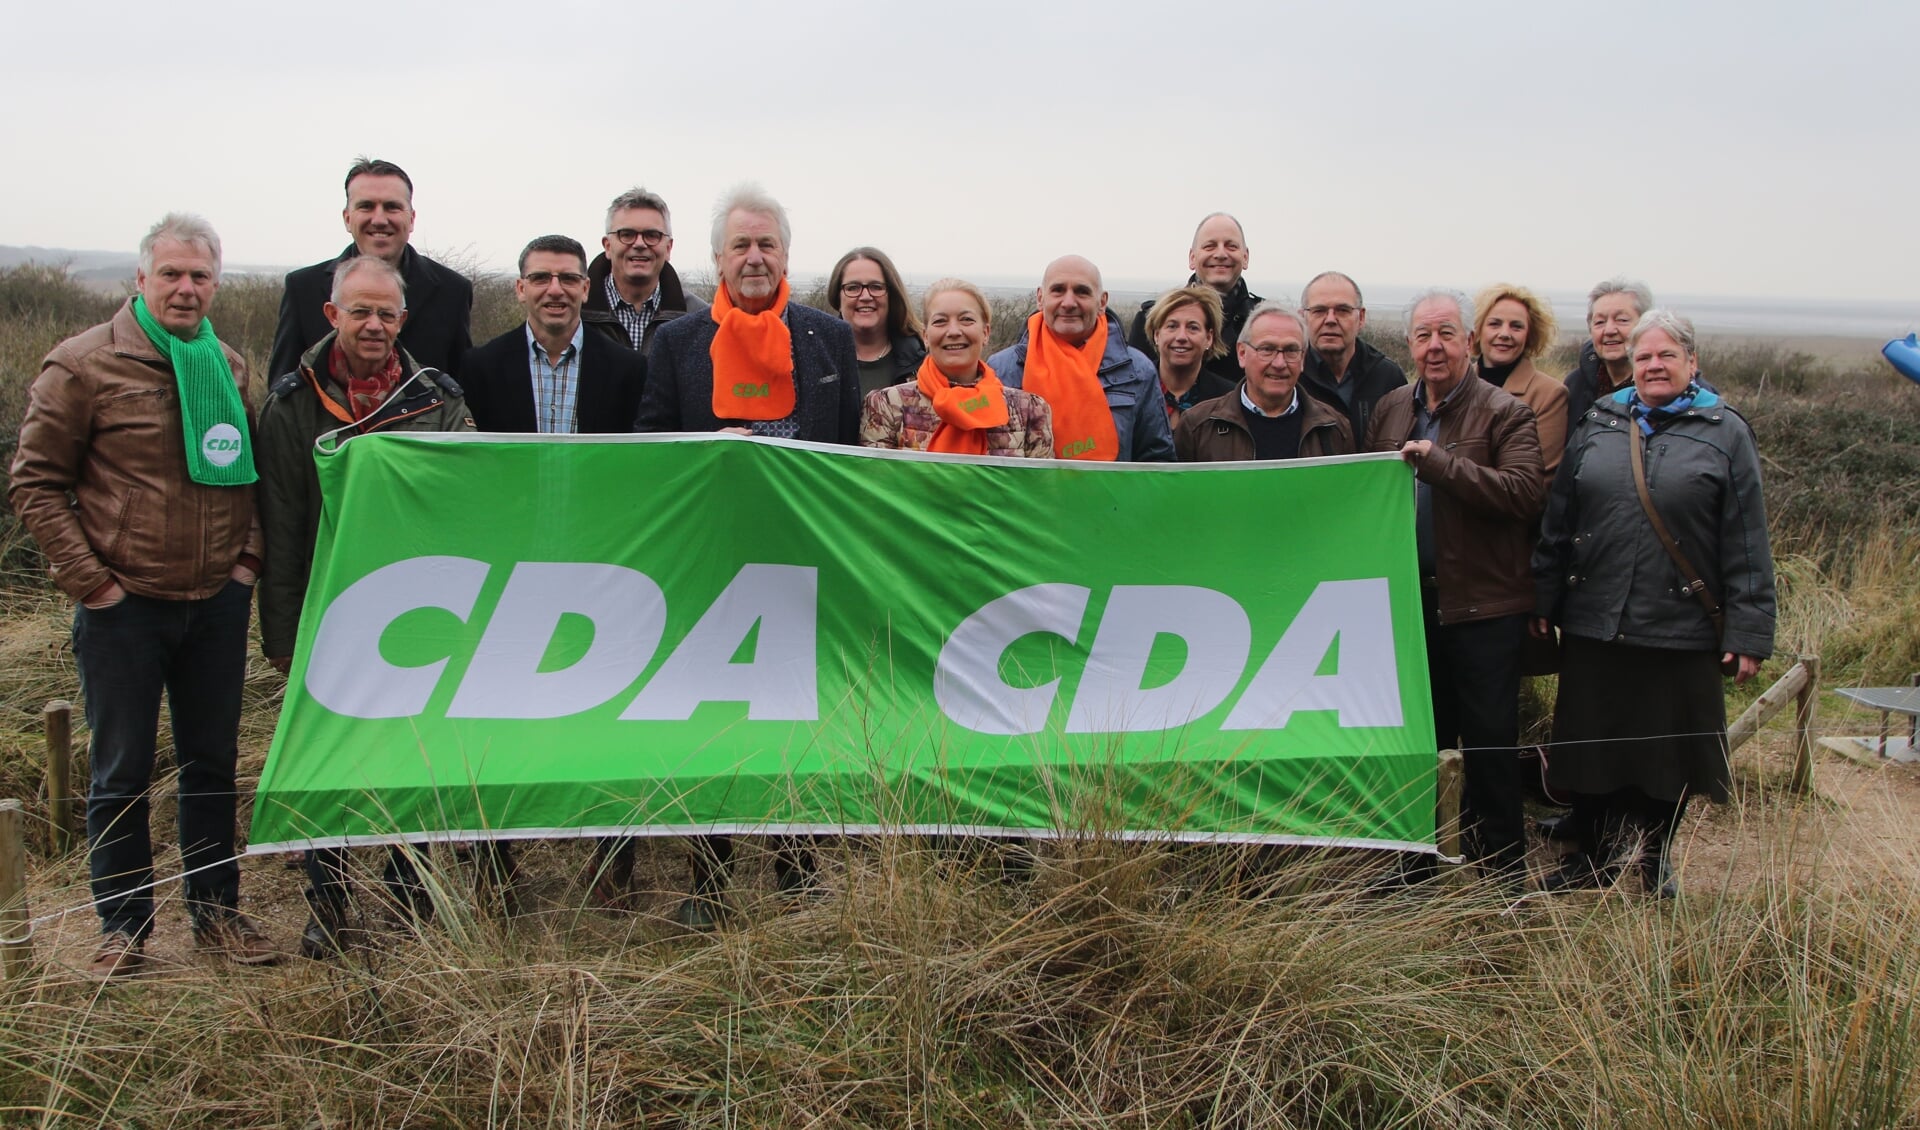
(1343, 371)
(379, 215)
(551, 375)
(356, 379)
(1265, 417)
(632, 288)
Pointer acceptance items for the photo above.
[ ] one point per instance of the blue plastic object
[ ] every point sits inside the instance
(1904, 353)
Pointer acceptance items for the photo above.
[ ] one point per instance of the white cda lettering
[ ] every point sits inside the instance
(221, 444)
(966, 679)
(778, 685)
(1365, 685)
(778, 606)
(628, 612)
(1212, 625)
(346, 674)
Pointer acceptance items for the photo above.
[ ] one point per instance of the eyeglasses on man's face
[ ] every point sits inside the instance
(649, 236)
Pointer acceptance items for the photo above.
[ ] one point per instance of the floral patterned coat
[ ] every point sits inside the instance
(900, 416)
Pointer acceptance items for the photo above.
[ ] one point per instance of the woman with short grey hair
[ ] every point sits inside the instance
(1654, 566)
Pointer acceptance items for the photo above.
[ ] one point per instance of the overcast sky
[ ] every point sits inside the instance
(1757, 149)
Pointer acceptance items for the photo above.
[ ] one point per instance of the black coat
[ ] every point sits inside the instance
(439, 313)
(826, 378)
(1374, 373)
(498, 379)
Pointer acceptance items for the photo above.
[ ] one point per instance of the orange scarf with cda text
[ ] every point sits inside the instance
(752, 359)
(1067, 377)
(965, 411)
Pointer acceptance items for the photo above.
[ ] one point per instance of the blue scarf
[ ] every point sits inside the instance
(1647, 415)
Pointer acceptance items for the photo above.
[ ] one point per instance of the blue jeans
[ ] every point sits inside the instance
(196, 651)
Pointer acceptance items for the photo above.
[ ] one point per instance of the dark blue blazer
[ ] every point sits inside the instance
(826, 377)
(498, 379)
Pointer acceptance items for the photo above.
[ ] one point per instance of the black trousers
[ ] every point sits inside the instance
(1474, 672)
(195, 651)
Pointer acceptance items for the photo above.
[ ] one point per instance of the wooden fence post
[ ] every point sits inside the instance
(1806, 704)
(16, 944)
(59, 721)
(1449, 786)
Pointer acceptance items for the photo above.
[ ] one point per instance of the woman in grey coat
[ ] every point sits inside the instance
(1640, 723)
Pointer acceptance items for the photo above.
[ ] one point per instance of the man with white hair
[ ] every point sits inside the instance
(754, 363)
(135, 474)
(1475, 454)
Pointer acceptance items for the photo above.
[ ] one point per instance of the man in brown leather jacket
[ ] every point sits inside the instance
(135, 475)
(1475, 454)
(1266, 416)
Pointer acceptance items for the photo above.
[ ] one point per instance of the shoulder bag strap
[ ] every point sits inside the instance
(1696, 586)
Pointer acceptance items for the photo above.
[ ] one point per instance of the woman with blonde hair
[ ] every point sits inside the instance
(954, 402)
(1185, 326)
(1515, 328)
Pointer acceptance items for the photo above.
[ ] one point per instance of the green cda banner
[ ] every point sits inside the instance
(665, 635)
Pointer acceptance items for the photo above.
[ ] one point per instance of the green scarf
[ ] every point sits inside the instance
(214, 418)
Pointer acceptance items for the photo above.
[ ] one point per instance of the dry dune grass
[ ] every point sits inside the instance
(1113, 989)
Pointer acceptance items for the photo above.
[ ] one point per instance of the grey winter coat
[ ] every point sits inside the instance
(1600, 571)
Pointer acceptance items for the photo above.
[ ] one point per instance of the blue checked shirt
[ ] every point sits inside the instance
(633, 319)
(556, 387)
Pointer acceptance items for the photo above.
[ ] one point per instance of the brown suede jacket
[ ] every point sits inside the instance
(1487, 492)
(100, 477)
(1215, 431)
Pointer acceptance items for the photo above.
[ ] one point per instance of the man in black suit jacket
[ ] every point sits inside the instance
(379, 215)
(750, 256)
(552, 374)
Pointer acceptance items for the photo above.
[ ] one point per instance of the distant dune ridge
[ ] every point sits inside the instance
(1824, 326)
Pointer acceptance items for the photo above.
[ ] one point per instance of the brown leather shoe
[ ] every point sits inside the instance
(120, 955)
(236, 938)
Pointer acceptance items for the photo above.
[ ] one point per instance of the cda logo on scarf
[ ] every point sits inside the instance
(221, 444)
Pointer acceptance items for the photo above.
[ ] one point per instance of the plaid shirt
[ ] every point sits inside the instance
(556, 387)
(633, 319)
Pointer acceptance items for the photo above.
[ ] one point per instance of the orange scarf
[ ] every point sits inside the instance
(1068, 379)
(752, 359)
(965, 411)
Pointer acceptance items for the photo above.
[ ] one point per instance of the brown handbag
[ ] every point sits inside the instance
(1696, 585)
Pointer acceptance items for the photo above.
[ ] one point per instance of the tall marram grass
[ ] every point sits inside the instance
(1127, 985)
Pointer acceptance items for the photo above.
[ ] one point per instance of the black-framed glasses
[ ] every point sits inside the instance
(650, 236)
(853, 289)
(1267, 351)
(567, 278)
